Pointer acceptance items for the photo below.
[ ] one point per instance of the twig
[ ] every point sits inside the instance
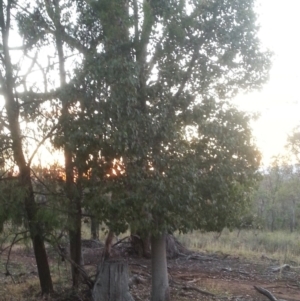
(86, 278)
(7, 272)
(16, 241)
(118, 242)
(41, 143)
(265, 292)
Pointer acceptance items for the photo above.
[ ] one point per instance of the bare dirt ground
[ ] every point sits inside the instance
(213, 277)
(197, 276)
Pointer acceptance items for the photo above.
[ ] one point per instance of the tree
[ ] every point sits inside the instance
(148, 73)
(41, 24)
(173, 58)
(9, 83)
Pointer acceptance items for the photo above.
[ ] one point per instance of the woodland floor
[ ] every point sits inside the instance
(196, 276)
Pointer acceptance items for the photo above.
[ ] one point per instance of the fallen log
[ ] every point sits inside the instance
(266, 293)
(282, 267)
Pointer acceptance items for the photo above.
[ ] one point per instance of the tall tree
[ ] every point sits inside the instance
(9, 83)
(159, 61)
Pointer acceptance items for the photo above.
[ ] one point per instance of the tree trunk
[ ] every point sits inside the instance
(112, 282)
(272, 221)
(35, 233)
(292, 217)
(75, 245)
(42, 264)
(94, 228)
(74, 197)
(160, 281)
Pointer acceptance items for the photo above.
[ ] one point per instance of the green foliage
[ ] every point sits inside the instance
(52, 204)
(148, 91)
(11, 202)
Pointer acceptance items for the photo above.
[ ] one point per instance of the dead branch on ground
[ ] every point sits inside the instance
(266, 293)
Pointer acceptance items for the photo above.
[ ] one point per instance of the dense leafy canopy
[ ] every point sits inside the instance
(145, 87)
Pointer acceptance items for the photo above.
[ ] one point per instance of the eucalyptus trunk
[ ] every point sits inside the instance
(160, 281)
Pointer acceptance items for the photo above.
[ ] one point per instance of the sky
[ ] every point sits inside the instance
(278, 102)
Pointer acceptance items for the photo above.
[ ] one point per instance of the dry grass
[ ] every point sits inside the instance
(280, 245)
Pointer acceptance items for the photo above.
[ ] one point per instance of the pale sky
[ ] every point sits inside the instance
(279, 100)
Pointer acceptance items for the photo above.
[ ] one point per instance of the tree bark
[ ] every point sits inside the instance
(160, 281)
(36, 233)
(112, 282)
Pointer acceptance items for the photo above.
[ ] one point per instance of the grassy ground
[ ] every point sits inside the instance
(284, 246)
(24, 285)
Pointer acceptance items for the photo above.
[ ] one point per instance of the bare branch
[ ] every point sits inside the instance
(41, 69)
(15, 240)
(33, 62)
(41, 143)
(45, 185)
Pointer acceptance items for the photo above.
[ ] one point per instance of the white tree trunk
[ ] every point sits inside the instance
(160, 281)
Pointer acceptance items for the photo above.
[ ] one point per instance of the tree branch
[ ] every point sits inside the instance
(188, 72)
(65, 37)
(41, 143)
